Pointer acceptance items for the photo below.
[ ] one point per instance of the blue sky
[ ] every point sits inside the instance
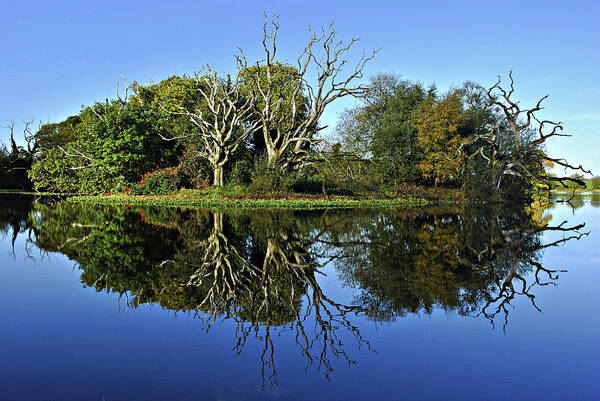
(56, 56)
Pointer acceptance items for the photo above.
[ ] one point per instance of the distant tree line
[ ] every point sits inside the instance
(259, 128)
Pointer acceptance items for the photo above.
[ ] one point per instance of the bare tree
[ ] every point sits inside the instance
(516, 145)
(15, 150)
(16, 160)
(225, 124)
(289, 132)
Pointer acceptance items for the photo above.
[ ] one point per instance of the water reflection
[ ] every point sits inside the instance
(261, 269)
(16, 220)
(577, 200)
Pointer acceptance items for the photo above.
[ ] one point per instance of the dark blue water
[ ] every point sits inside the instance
(117, 303)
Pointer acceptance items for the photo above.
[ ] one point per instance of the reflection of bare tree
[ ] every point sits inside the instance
(275, 292)
(515, 283)
(291, 255)
(472, 262)
(18, 220)
(226, 273)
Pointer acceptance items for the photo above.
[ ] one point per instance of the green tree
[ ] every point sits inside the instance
(395, 149)
(52, 135)
(116, 143)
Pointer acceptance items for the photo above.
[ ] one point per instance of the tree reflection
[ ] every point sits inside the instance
(525, 247)
(17, 219)
(261, 269)
(472, 262)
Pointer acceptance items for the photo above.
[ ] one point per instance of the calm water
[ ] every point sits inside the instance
(126, 303)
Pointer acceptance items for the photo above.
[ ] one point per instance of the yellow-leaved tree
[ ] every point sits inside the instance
(437, 121)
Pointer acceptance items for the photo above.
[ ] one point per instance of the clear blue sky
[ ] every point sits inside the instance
(58, 55)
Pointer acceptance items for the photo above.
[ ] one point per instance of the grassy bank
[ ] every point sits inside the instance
(174, 201)
(236, 197)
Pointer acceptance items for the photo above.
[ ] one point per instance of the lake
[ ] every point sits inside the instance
(127, 303)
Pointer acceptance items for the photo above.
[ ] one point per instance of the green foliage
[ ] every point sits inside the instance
(116, 143)
(394, 146)
(269, 181)
(595, 183)
(237, 197)
(241, 172)
(52, 135)
(285, 77)
(195, 169)
(160, 182)
(342, 173)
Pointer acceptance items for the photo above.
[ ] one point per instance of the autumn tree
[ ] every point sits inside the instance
(437, 122)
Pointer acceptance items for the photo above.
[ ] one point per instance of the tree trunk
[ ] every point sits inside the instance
(218, 176)
(272, 158)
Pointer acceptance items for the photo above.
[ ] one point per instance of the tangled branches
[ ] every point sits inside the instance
(514, 149)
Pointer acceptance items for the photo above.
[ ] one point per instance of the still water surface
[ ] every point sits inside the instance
(127, 303)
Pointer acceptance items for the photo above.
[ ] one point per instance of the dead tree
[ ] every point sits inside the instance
(288, 131)
(16, 160)
(225, 124)
(16, 151)
(516, 145)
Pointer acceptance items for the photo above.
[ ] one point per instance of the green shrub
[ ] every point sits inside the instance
(241, 172)
(312, 184)
(159, 182)
(269, 181)
(595, 183)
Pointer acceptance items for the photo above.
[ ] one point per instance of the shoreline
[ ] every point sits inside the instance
(301, 203)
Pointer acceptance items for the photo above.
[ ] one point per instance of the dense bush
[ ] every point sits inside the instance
(595, 183)
(195, 170)
(159, 182)
(115, 144)
(269, 181)
(241, 172)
